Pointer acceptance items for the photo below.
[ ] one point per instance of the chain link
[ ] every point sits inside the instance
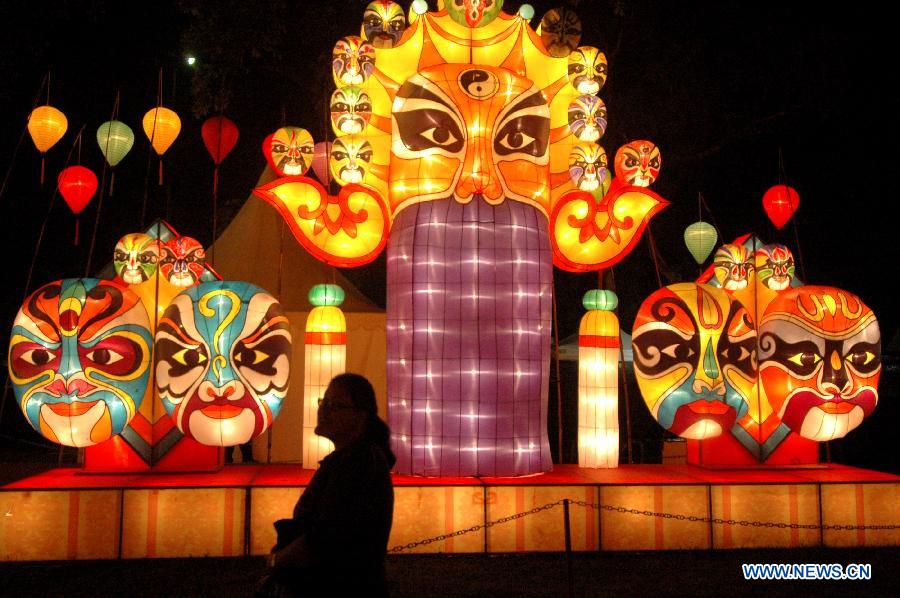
(645, 513)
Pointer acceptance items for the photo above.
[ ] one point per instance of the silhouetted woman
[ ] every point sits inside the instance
(337, 540)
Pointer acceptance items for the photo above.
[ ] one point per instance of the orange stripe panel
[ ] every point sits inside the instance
(326, 338)
(595, 340)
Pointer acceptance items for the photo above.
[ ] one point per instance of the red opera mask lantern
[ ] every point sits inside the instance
(182, 261)
(638, 163)
(289, 151)
(820, 360)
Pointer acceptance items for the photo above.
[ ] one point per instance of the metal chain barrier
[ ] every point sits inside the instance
(611, 508)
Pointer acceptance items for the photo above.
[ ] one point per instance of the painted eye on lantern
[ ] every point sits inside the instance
(578, 115)
(630, 162)
(428, 128)
(37, 356)
(120, 256)
(515, 141)
(339, 107)
(104, 356)
(440, 136)
(576, 68)
(279, 148)
(397, 24)
(654, 163)
(363, 107)
(189, 357)
(148, 258)
(339, 156)
(805, 360)
(250, 357)
(861, 358)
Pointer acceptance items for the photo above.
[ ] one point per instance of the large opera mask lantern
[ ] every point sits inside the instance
(79, 360)
(383, 23)
(694, 359)
(289, 151)
(820, 360)
(638, 162)
(136, 258)
(182, 261)
(223, 361)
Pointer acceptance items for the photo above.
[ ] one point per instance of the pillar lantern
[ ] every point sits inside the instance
(325, 358)
(598, 382)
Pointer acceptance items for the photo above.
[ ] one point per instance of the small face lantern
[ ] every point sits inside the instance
(182, 261)
(561, 32)
(351, 110)
(473, 13)
(383, 23)
(775, 266)
(79, 360)
(587, 166)
(732, 267)
(136, 258)
(223, 361)
(820, 360)
(694, 359)
(587, 118)
(587, 70)
(352, 61)
(638, 163)
(350, 157)
(290, 151)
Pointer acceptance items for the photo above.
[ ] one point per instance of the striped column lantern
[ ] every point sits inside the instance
(326, 357)
(598, 382)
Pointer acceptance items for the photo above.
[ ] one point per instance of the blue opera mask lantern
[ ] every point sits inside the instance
(223, 361)
(79, 359)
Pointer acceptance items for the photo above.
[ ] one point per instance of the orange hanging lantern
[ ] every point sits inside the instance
(780, 202)
(77, 185)
(46, 125)
(161, 126)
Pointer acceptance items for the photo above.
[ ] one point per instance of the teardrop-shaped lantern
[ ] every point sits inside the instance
(780, 202)
(115, 139)
(46, 125)
(77, 185)
(700, 238)
(220, 135)
(161, 126)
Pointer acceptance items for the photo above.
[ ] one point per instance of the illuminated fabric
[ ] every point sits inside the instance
(638, 163)
(162, 127)
(46, 126)
(351, 109)
(289, 151)
(136, 258)
(775, 266)
(383, 23)
(700, 238)
(79, 360)
(733, 266)
(326, 357)
(780, 202)
(587, 118)
(820, 360)
(587, 165)
(598, 384)
(223, 361)
(77, 186)
(474, 13)
(694, 359)
(115, 139)
(560, 31)
(587, 69)
(352, 61)
(350, 158)
(182, 261)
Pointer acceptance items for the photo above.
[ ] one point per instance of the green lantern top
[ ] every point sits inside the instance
(326, 294)
(600, 299)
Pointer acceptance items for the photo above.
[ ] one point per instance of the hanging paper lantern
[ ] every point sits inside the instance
(700, 238)
(326, 357)
(598, 382)
(820, 360)
(161, 126)
(79, 360)
(182, 261)
(289, 151)
(694, 359)
(780, 202)
(223, 353)
(77, 185)
(115, 139)
(560, 30)
(638, 162)
(46, 125)
(321, 154)
(383, 23)
(220, 135)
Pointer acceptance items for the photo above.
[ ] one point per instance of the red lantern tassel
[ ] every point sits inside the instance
(77, 220)
(216, 181)
(160, 171)
(112, 182)
(43, 159)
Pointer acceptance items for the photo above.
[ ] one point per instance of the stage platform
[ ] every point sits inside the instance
(65, 514)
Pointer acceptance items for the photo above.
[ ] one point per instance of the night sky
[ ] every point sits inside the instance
(722, 88)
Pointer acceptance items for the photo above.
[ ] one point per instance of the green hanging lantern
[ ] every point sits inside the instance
(700, 238)
(600, 299)
(326, 294)
(115, 139)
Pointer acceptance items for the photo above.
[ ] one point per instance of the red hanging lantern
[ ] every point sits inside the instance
(77, 185)
(780, 202)
(220, 135)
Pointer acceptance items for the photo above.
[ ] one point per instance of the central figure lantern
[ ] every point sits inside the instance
(463, 170)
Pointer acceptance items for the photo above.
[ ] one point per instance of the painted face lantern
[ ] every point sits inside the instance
(352, 61)
(351, 110)
(820, 360)
(182, 261)
(223, 361)
(732, 266)
(473, 13)
(136, 258)
(587, 165)
(694, 359)
(350, 157)
(289, 151)
(587, 70)
(587, 117)
(775, 266)
(383, 23)
(560, 32)
(79, 359)
(638, 163)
